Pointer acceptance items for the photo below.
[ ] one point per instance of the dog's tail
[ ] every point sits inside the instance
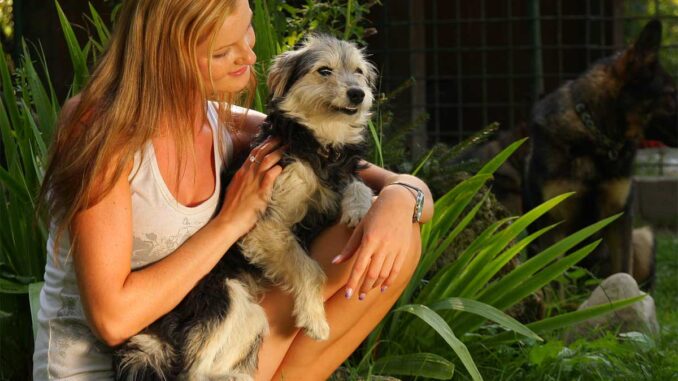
(145, 357)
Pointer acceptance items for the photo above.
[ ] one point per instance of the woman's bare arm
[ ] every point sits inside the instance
(377, 178)
(119, 302)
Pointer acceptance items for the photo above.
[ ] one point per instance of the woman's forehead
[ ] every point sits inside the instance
(235, 25)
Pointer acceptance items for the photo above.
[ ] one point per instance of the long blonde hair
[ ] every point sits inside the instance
(148, 72)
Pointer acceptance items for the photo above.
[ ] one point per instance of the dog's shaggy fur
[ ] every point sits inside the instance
(321, 94)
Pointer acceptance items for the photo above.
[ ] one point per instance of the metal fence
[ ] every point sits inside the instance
(475, 62)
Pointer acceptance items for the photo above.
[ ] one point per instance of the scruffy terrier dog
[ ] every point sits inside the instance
(321, 94)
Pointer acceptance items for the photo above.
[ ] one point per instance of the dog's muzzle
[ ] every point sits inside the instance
(355, 97)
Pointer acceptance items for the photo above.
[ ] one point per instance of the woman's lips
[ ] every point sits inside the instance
(239, 72)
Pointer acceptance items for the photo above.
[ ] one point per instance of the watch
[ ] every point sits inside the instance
(419, 198)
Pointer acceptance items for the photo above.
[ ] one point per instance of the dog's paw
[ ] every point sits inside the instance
(355, 204)
(351, 217)
(317, 329)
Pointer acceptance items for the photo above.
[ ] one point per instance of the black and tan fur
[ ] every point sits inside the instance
(320, 104)
(584, 138)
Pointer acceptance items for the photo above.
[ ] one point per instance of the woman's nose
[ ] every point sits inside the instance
(247, 55)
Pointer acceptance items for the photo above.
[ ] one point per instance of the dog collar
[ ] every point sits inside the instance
(613, 147)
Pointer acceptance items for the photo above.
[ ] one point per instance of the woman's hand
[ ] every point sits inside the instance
(380, 241)
(250, 188)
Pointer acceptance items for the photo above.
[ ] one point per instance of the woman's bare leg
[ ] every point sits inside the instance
(287, 353)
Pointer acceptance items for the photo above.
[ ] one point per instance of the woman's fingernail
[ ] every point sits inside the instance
(383, 288)
(336, 259)
(349, 292)
(362, 296)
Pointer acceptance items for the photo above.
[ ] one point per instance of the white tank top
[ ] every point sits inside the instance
(65, 347)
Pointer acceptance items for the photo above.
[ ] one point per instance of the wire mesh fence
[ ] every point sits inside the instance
(476, 62)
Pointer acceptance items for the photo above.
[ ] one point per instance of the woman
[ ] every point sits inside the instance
(134, 212)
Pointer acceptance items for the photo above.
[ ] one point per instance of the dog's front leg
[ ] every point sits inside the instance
(615, 197)
(356, 201)
(272, 246)
(275, 249)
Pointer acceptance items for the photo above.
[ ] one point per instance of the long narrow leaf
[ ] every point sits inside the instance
(102, 30)
(534, 264)
(438, 324)
(501, 157)
(530, 285)
(40, 100)
(78, 57)
(377, 143)
(14, 186)
(427, 365)
(490, 270)
(486, 311)
(430, 257)
(423, 161)
(545, 276)
(567, 319)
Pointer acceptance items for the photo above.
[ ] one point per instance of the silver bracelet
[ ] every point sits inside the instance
(419, 198)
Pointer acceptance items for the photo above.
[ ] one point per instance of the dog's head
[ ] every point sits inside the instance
(327, 84)
(648, 91)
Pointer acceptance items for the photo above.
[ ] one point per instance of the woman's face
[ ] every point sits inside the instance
(232, 55)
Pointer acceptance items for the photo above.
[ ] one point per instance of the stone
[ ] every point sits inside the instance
(638, 317)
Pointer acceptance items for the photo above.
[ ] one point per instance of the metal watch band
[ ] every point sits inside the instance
(419, 198)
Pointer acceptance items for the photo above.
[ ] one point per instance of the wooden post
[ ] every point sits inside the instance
(418, 71)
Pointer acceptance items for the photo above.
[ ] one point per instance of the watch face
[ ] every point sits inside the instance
(420, 206)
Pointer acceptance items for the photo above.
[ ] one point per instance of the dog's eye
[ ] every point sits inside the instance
(359, 71)
(324, 71)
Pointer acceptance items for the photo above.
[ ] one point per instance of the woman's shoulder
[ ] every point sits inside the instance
(246, 124)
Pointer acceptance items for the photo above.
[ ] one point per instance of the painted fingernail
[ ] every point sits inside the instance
(362, 296)
(349, 292)
(383, 288)
(336, 259)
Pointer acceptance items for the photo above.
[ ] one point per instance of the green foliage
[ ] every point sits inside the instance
(28, 114)
(447, 311)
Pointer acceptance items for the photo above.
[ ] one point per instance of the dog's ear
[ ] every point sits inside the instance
(643, 55)
(280, 73)
(371, 73)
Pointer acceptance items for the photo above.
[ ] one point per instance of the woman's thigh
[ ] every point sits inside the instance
(342, 314)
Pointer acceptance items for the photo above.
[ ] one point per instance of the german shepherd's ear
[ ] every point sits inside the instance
(643, 54)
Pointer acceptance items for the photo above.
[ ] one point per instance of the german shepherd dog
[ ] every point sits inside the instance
(584, 138)
(320, 105)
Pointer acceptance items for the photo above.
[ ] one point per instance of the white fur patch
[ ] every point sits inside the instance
(356, 201)
(219, 350)
(152, 351)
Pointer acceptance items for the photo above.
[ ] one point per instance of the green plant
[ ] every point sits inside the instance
(447, 311)
(28, 113)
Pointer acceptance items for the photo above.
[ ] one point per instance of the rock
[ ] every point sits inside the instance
(640, 316)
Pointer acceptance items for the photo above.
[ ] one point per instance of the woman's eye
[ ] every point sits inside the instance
(220, 55)
(324, 71)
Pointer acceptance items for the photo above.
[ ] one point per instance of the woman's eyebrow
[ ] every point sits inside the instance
(248, 25)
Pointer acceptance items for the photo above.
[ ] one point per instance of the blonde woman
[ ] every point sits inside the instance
(132, 188)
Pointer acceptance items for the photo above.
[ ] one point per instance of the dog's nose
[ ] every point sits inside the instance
(355, 95)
